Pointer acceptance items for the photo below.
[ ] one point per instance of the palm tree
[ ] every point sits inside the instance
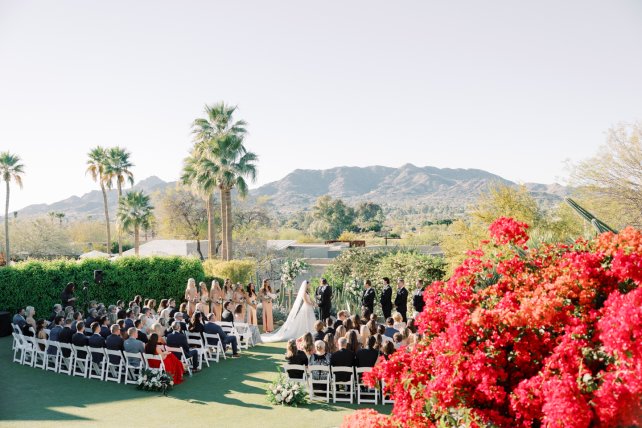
(135, 212)
(118, 169)
(203, 182)
(230, 161)
(10, 169)
(97, 168)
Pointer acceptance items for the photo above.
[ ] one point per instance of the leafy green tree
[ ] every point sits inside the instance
(369, 217)
(183, 214)
(40, 238)
(10, 170)
(330, 217)
(135, 212)
(119, 170)
(97, 164)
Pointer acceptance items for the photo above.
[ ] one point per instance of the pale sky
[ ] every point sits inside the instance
(515, 88)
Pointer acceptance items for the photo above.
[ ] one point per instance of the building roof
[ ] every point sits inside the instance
(169, 247)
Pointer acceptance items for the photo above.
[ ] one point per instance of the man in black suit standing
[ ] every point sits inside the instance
(386, 298)
(324, 298)
(401, 300)
(418, 297)
(176, 339)
(367, 300)
(342, 358)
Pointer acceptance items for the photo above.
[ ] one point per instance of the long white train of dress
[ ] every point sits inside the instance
(300, 320)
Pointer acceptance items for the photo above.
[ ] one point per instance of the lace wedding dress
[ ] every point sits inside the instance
(300, 320)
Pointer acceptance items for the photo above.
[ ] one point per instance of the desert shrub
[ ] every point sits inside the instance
(237, 270)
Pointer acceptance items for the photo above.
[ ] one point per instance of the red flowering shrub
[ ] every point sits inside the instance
(523, 337)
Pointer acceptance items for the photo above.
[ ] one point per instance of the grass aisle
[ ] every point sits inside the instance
(229, 393)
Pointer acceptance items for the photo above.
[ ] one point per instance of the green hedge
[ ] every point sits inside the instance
(39, 283)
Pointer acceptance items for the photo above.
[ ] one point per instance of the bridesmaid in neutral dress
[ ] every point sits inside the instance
(228, 290)
(239, 298)
(265, 294)
(205, 297)
(252, 302)
(191, 296)
(216, 299)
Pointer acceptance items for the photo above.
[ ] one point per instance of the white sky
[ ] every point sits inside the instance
(515, 88)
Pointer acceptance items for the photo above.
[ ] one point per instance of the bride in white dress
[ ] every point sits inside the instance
(300, 320)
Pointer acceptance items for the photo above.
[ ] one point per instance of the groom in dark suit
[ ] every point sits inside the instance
(324, 299)
(367, 300)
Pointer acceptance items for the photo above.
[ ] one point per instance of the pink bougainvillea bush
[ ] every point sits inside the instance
(525, 337)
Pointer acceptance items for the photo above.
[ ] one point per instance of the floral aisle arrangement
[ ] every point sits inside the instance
(526, 337)
(286, 393)
(152, 380)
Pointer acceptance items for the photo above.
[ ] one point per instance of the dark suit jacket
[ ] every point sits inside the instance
(366, 357)
(298, 359)
(368, 298)
(418, 300)
(54, 336)
(129, 323)
(79, 339)
(65, 337)
(115, 343)
(227, 316)
(212, 328)
(386, 297)
(390, 332)
(96, 341)
(104, 331)
(401, 301)
(178, 340)
(142, 336)
(342, 358)
(324, 295)
(328, 330)
(319, 336)
(336, 324)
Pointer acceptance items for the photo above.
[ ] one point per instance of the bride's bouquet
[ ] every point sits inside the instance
(286, 393)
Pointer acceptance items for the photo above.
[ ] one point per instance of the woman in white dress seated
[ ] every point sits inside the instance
(300, 320)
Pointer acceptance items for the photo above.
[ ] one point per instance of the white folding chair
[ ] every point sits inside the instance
(81, 360)
(182, 357)
(365, 394)
(342, 390)
(52, 356)
(214, 346)
(65, 364)
(323, 392)
(133, 367)
(39, 352)
(115, 365)
(23, 352)
(161, 365)
(244, 335)
(200, 347)
(299, 367)
(14, 329)
(385, 399)
(98, 363)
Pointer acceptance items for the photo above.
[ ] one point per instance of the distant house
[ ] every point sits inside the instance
(332, 249)
(169, 247)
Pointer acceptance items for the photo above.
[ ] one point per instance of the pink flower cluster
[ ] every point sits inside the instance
(549, 336)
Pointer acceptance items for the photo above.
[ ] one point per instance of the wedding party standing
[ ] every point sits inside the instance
(191, 296)
(216, 300)
(205, 298)
(228, 289)
(266, 296)
(324, 298)
(386, 298)
(368, 299)
(300, 320)
(418, 302)
(239, 299)
(251, 303)
(401, 300)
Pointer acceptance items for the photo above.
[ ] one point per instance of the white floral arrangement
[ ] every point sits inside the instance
(151, 380)
(290, 269)
(285, 393)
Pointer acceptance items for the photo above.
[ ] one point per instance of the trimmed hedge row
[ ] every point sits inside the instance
(39, 283)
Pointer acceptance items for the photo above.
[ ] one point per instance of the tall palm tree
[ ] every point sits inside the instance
(119, 169)
(232, 164)
(135, 212)
(202, 181)
(10, 170)
(97, 164)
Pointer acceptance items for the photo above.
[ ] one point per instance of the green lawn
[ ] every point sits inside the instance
(230, 393)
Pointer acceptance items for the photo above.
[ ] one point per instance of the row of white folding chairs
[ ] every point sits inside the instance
(242, 332)
(350, 388)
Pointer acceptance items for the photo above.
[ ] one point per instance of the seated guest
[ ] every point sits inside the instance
(390, 330)
(121, 314)
(57, 309)
(295, 357)
(160, 330)
(388, 349)
(40, 332)
(173, 366)
(364, 335)
(133, 345)
(319, 358)
(340, 332)
(342, 358)
(368, 356)
(399, 324)
(163, 309)
(227, 316)
(330, 343)
(411, 325)
(65, 336)
(114, 342)
(328, 326)
(413, 339)
(372, 326)
(397, 340)
(172, 308)
(176, 339)
(123, 329)
(196, 325)
(318, 328)
(19, 318)
(354, 344)
(180, 318)
(347, 324)
(141, 334)
(131, 317)
(341, 317)
(96, 341)
(239, 316)
(305, 343)
(104, 326)
(54, 334)
(212, 328)
(92, 315)
(77, 318)
(30, 313)
(79, 338)
(356, 322)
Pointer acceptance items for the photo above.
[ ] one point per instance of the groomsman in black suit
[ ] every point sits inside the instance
(418, 297)
(386, 298)
(368, 300)
(324, 298)
(401, 301)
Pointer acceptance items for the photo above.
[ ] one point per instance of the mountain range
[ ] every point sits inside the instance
(407, 185)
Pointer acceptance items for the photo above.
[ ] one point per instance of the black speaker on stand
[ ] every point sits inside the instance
(98, 276)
